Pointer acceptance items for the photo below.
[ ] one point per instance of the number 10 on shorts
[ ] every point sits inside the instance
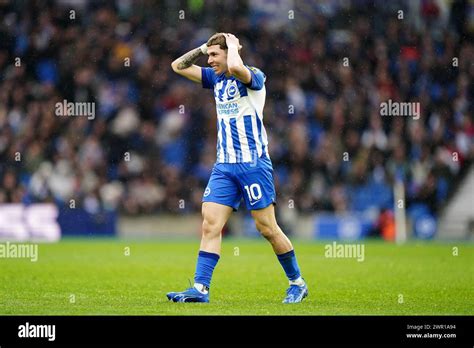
(254, 192)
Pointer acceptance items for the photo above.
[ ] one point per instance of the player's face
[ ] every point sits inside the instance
(217, 59)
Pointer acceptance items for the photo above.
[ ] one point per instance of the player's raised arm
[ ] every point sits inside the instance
(235, 65)
(185, 66)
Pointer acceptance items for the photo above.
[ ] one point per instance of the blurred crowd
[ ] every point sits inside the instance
(151, 146)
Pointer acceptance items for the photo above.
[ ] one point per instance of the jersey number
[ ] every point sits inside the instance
(254, 192)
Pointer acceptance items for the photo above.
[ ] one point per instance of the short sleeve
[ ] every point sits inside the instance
(208, 78)
(258, 78)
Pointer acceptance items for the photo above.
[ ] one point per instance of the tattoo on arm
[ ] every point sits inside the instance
(189, 58)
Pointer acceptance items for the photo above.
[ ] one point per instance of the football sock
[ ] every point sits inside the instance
(201, 288)
(299, 281)
(205, 266)
(290, 265)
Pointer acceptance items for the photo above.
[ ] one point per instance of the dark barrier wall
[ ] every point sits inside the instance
(80, 222)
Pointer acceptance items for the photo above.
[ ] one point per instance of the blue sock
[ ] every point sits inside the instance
(204, 267)
(290, 265)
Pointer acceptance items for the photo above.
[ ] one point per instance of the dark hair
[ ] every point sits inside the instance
(217, 39)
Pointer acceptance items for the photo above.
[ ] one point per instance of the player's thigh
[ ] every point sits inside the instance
(216, 214)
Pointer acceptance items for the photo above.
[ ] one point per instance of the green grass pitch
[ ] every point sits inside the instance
(96, 277)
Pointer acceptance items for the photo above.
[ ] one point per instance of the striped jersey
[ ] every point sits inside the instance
(241, 136)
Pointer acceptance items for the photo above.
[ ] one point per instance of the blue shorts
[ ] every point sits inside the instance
(229, 182)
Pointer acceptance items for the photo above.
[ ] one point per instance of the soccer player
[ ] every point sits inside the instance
(243, 167)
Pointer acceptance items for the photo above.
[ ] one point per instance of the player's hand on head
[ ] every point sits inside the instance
(231, 39)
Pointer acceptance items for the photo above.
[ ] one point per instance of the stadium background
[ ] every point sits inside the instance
(142, 163)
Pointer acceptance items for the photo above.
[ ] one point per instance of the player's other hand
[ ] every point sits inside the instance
(231, 40)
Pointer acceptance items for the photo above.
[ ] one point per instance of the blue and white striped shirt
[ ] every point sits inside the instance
(241, 136)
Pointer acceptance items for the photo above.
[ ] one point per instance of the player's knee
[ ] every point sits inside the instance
(266, 229)
(210, 226)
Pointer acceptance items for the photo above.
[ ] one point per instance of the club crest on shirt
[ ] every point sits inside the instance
(231, 91)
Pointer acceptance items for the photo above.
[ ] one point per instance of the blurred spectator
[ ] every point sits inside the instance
(151, 146)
